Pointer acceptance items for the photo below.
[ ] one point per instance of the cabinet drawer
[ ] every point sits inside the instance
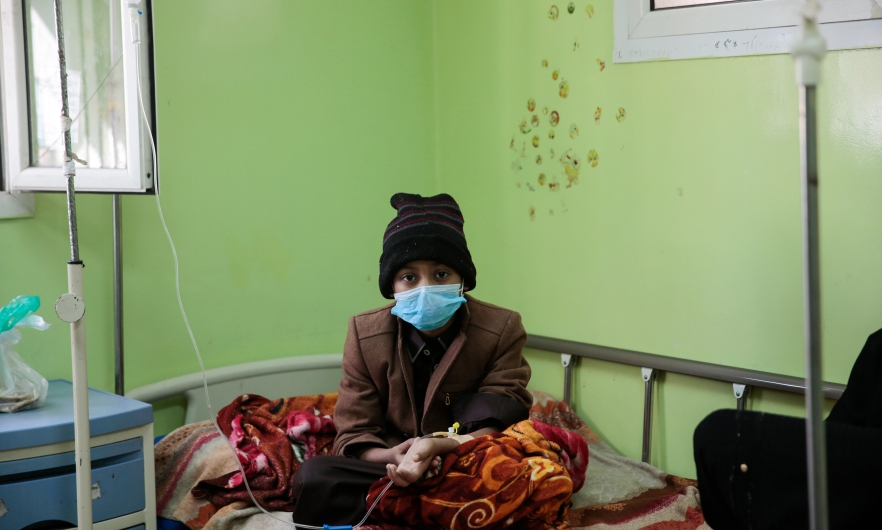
(50, 494)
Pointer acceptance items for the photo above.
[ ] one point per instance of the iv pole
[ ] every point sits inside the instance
(808, 50)
(71, 308)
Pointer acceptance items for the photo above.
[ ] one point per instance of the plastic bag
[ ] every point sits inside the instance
(21, 387)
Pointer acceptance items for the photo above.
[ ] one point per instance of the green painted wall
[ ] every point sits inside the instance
(285, 127)
(684, 240)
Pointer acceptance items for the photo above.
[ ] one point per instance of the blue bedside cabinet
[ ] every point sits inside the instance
(37, 474)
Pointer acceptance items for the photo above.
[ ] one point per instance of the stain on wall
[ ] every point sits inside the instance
(571, 94)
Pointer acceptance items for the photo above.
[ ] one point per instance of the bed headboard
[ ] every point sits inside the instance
(288, 376)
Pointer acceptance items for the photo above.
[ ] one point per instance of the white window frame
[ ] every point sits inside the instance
(18, 174)
(737, 28)
(16, 204)
(12, 203)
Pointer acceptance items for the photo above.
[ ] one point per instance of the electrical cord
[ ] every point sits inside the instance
(137, 40)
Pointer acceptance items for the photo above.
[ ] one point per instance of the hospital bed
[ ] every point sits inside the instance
(615, 476)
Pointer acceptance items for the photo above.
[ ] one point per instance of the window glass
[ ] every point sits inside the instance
(95, 83)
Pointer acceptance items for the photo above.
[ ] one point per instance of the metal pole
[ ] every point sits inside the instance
(808, 51)
(662, 363)
(119, 375)
(741, 392)
(82, 435)
(69, 168)
(120, 386)
(815, 439)
(71, 309)
(648, 377)
(567, 361)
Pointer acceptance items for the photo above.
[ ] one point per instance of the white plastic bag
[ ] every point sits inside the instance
(21, 387)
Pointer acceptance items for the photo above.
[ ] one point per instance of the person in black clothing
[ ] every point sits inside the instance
(752, 466)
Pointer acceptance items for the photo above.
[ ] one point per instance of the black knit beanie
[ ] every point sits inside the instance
(426, 228)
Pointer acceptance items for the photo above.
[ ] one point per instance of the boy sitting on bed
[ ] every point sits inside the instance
(433, 358)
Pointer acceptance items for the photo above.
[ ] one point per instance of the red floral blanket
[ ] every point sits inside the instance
(272, 439)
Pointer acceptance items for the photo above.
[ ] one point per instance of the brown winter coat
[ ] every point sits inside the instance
(375, 404)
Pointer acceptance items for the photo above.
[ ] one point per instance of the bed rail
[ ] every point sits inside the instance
(742, 379)
(286, 376)
(314, 373)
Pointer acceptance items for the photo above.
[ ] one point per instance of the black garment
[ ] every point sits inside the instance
(425, 355)
(773, 493)
(861, 403)
(332, 489)
(477, 411)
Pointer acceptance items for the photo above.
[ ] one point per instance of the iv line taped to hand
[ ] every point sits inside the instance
(135, 14)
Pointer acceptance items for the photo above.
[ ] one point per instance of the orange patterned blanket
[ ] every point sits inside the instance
(514, 479)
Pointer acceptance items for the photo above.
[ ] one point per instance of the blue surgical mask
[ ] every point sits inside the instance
(428, 307)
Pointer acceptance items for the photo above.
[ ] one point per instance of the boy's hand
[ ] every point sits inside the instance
(398, 452)
(392, 455)
(423, 453)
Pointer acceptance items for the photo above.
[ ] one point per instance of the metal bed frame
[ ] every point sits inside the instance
(650, 364)
(317, 373)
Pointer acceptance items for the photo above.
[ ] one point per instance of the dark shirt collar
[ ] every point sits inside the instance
(416, 342)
